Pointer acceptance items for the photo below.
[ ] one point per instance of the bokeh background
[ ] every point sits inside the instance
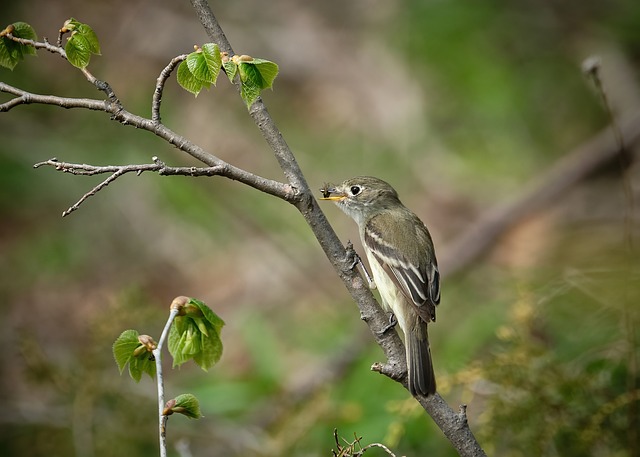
(461, 105)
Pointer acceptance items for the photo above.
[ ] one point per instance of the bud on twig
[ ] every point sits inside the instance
(9, 29)
(179, 303)
(168, 407)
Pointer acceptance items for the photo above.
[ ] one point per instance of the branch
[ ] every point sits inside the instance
(100, 85)
(157, 166)
(160, 82)
(118, 113)
(343, 261)
(113, 106)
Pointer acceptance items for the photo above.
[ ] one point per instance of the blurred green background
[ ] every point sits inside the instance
(457, 103)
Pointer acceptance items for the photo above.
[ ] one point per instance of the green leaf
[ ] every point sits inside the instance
(230, 68)
(187, 80)
(11, 52)
(255, 76)
(123, 348)
(82, 43)
(90, 37)
(200, 69)
(144, 363)
(77, 51)
(205, 64)
(196, 335)
(249, 92)
(188, 405)
(266, 69)
(123, 352)
(25, 31)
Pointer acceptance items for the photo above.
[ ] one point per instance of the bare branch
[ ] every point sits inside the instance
(160, 82)
(118, 170)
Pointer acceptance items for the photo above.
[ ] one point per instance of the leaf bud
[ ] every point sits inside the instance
(179, 303)
(9, 29)
(168, 407)
(147, 342)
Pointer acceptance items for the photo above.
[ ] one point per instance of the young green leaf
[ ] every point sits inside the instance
(200, 69)
(255, 76)
(82, 43)
(196, 335)
(187, 80)
(249, 92)
(205, 63)
(11, 52)
(123, 348)
(77, 51)
(127, 349)
(266, 72)
(90, 38)
(188, 405)
(230, 68)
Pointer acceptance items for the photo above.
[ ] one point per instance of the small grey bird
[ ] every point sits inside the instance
(403, 262)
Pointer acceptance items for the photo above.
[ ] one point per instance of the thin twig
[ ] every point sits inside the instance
(382, 446)
(160, 82)
(39, 45)
(101, 85)
(93, 191)
(119, 170)
(157, 353)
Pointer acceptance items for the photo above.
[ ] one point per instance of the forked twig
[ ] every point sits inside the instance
(157, 166)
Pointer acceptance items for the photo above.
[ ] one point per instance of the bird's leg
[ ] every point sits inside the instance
(393, 321)
(355, 259)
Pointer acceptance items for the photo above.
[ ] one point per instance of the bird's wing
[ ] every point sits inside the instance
(415, 273)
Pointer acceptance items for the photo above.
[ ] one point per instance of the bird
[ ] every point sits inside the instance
(401, 255)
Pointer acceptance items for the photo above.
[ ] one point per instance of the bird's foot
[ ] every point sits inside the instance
(392, 323)
(354, 260)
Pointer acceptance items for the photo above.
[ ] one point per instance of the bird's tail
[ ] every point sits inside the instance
(421, 377)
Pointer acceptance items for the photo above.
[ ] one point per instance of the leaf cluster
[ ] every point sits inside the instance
(129, 349)
(82, 43)
(201, 69)
(12, 52)
(195, 334)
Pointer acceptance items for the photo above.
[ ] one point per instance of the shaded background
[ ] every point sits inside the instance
(458, 104)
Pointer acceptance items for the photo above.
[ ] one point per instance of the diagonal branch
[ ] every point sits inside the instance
(456, 430)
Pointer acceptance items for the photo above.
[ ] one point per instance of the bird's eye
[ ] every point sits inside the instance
(355, 190)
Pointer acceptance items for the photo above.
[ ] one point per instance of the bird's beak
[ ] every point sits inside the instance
(329, 192)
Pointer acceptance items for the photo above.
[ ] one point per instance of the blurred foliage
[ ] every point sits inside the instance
(455, 102)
